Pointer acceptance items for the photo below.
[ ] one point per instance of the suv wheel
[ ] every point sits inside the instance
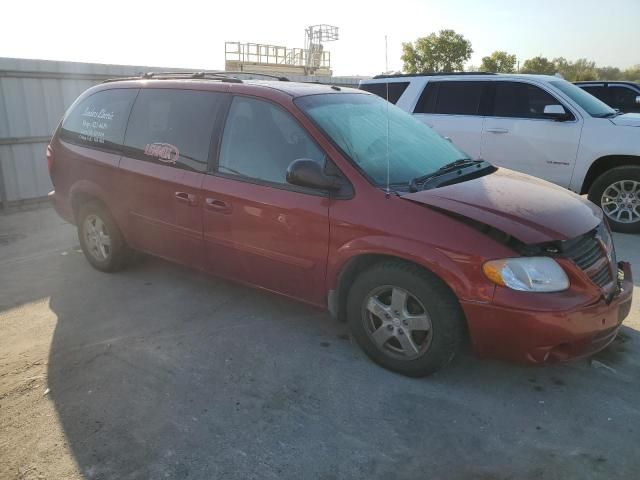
(100, 238)
(405, 318)
(617, 191)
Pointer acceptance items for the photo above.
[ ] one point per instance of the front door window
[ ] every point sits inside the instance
(261, 140)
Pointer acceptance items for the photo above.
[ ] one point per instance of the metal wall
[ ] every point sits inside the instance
(34, 95)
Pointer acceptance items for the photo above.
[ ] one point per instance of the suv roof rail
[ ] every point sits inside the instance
(430, 74)
(624, 82)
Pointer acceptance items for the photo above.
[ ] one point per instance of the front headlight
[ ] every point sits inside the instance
(528, 274)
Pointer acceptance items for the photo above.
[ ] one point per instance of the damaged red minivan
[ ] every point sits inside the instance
(336, 198)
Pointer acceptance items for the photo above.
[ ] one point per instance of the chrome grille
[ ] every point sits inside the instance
(594, 253)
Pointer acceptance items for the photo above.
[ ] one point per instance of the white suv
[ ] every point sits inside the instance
(540, 125)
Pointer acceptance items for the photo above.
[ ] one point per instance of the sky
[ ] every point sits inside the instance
(191, 34)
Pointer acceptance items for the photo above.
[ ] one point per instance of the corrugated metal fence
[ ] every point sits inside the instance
(34, 95)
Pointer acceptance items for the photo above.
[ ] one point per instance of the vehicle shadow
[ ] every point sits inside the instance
(160, 372)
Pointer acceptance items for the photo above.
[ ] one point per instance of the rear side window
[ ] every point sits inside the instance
(623, 98)
(100, 120)
(521, 100)
(598, 92)
(396, 89)
(261, 140)
(452, 98)
(174, 127)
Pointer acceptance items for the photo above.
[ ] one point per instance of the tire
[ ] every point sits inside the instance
(427, 344)
(95, 221)
(627, 218)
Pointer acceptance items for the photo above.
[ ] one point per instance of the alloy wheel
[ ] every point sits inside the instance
(621, 201)
(97, 238)
(397, 322)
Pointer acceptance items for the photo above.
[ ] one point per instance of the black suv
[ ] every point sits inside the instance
(625, 96)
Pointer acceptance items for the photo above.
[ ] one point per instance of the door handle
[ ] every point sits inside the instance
(188, 198)
(218, 205)
(497, 130)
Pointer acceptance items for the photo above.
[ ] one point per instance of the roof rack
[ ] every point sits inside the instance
(217, 75)
(178, 75)
(195, 75)
(239, 72)
(431, 74)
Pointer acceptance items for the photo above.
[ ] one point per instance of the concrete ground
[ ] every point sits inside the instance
(160, 372)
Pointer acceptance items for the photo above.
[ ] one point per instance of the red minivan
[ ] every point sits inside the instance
(336, 198)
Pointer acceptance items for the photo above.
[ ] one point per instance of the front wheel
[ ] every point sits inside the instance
(617, 191)
(405, 318)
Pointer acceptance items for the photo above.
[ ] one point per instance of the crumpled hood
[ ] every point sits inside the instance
(627, 120)
(525, 207)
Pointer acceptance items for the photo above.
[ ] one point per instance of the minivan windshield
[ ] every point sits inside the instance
(358, 124)
(589, 103)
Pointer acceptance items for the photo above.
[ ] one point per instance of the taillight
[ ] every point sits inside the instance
(50, 158)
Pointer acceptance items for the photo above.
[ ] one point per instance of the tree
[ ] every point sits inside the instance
(499, 62)
(632, 74)
(580, 70)
(584, 69)
(541, 65)
(609, 73)
(445, 51)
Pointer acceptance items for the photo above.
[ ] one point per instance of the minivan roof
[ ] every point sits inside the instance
(293, 89)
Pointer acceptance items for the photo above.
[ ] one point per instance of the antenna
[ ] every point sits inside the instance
(386, 68)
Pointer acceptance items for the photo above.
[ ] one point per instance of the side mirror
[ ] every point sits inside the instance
(638, 99)
(308, 173)
(557, 112)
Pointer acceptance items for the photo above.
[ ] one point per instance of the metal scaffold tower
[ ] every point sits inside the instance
(313, 59)
(315, 35)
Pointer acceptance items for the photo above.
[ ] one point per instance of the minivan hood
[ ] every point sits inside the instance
(627, 120)
(527, 208)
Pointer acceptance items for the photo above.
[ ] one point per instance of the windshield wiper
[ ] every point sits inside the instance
(463, 163)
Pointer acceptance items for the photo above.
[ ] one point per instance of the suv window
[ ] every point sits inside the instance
(597, 91)
(396, 89)
(521, 100)
(261, 140)
(452, 97)
(589, 103)
(623, 98)
(173, 127)
(100, 120)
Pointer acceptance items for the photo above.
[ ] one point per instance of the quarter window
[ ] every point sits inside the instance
(392, 90)
(261, 140)
(452, 98)
(100, 120)
(173, 127)
(521, 100)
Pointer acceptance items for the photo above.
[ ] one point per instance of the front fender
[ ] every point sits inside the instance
(463, 275)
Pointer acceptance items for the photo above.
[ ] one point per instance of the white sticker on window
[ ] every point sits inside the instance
(165, 152)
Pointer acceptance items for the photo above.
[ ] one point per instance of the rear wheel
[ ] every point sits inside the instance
(617, 191)
(405, 318)
(101, 241)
